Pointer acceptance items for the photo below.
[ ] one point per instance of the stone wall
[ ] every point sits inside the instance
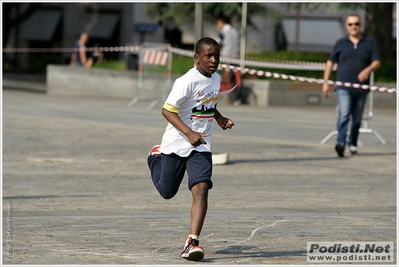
(67, 80)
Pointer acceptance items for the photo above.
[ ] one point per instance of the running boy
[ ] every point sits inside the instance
(186, 143)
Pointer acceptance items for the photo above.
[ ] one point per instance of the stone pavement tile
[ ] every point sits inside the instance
(76, 186)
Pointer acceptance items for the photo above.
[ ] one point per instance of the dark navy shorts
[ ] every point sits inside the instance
(167, 171)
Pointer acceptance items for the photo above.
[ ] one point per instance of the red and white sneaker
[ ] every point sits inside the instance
(155, 151)
(192, 250)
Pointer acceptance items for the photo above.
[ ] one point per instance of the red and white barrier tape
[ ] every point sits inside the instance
(285, 64)
(72, 49)
(293, 65)
(304, 79)
(155, 57)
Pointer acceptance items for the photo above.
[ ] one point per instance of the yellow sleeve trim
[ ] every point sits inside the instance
(170, 108)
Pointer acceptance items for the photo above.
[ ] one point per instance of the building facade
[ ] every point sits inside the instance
(125, 24)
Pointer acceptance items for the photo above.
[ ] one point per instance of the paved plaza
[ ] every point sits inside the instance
(77, 189)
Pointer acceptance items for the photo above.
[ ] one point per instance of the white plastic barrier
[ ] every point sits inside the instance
(155, 73)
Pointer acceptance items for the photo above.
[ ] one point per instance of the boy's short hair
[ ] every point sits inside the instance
(202, 41)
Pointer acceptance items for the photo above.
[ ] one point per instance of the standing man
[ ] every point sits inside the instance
(229, 39)
(357, 55)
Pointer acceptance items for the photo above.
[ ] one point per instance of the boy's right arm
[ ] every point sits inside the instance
(194, 138)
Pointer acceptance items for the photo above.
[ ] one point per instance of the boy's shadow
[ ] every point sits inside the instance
(238, 252)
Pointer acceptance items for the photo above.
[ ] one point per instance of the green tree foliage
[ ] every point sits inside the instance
(15, 14)
(378, 22)
(166, 13)
(379, 25)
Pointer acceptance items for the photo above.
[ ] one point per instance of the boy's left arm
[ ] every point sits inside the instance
(224, 123)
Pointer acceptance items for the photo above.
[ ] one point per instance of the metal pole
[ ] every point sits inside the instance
(199, 27)
(370, 114)
(298, 28)
(169, 74)
(243, 33)
(371, 104)
(141, 92)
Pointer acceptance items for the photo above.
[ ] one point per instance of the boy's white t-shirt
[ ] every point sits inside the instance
(194, 97)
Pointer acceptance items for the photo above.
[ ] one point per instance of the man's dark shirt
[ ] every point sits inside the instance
(352, 59)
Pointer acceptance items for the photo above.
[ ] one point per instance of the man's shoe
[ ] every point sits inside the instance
(353, 150)
(192, 250)
(340, 148)
(237, 103)
(155, 151)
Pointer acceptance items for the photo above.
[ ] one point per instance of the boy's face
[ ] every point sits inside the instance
(207, 61)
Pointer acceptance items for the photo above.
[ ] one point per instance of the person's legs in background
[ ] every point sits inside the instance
(358, 103)
(344, 109)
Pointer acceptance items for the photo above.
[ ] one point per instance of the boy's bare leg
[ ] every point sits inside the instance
(199, 207)
(192, 250)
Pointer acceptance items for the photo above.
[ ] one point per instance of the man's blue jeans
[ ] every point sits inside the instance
(351, 104)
